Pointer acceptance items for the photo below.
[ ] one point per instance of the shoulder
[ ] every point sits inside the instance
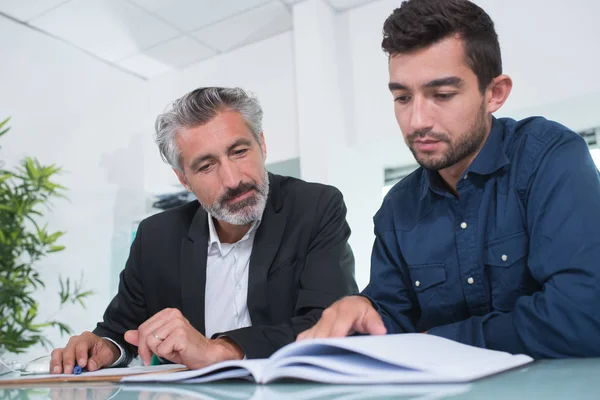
(532, 138)
(536, 144)
(172, 220)
(304, 193)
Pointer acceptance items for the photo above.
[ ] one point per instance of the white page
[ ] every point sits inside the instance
(443, 358)
(323, 375)
(348, 363)
(253, 367)
(105, 372)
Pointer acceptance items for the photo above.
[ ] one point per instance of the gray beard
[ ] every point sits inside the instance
(243, 212)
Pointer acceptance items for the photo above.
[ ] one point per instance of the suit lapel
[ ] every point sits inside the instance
(194, 250)
(266, 245)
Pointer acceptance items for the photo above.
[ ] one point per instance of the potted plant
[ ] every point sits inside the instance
(25, 193)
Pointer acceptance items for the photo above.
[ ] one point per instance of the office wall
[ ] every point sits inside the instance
(72, 110)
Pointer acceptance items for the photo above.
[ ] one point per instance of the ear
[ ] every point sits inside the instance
(497, 92)
(263, 145)
(182, 179)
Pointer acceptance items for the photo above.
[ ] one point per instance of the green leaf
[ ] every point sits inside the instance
(3, 131)
(54, 249)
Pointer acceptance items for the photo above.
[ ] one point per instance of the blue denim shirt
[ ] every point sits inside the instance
(513, 262)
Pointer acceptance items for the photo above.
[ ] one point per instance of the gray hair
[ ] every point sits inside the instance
(198, 107)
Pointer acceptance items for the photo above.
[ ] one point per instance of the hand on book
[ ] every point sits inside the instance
(168, 334)
(87, 351)
(349, 315)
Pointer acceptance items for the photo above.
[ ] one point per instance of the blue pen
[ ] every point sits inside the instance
(77, 370)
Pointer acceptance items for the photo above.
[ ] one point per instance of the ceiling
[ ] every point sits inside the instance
(151, 37)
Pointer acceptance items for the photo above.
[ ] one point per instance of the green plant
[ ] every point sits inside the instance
(25, 192)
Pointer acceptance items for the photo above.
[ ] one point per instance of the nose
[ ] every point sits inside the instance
(420, 119)
(230, 174)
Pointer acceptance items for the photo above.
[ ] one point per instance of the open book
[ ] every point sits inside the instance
(403, 358)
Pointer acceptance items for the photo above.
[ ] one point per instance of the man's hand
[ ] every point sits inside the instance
(169, 334)
(86, 350)
(345, 317)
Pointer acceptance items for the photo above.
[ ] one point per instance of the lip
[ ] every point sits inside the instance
(241, 197)
(427, 145)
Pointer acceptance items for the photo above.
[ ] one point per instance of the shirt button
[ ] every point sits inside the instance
(466, 176)
(238, 287)
(504, 257)
(463, 225)
(470, 281)
(417, 283)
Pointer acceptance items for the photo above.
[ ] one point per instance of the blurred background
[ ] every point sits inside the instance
(83, 81)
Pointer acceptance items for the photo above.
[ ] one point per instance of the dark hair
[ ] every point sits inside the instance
(421, 23)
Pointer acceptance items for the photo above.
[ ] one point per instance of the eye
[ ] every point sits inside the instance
(205, 168)
(240, 152)
(444, 96)
(402, 99)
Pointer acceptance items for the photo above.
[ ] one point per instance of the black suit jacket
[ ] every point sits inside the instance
(300, 263)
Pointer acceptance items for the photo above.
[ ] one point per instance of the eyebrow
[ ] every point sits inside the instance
(199, 160)
(449, 81)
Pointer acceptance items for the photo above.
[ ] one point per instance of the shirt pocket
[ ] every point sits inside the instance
(428, 282)
(505, 259)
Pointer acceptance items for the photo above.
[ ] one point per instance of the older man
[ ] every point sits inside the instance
(238, 273)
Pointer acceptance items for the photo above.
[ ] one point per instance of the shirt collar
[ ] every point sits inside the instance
(213, 237)
(490, 159)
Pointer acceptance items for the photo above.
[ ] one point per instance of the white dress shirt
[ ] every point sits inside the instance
(226, 294)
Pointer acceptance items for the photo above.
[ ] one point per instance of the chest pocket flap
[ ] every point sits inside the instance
(425, 276)
(507, 250)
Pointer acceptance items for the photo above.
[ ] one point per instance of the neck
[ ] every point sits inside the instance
(229, 233)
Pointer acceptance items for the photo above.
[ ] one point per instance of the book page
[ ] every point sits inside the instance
(441, 359)
(249, 368)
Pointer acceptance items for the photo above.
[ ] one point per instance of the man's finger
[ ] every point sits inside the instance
(302, 335)
(103, 355)
(343, 326)
(68, 358)
(166, 349)
(132, 337)
(81, 353)
(371, 324)
(56, 361)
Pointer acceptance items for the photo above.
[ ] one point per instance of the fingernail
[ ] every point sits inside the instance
(56, 369)
(81, 362)
(92, 366)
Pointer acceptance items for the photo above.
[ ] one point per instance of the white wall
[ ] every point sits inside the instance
(265, 68)
(67, 108)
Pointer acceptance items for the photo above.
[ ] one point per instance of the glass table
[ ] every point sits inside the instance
(546, 379)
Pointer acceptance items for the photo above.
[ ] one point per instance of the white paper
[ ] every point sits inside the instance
(248, 367)
(106, 372)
